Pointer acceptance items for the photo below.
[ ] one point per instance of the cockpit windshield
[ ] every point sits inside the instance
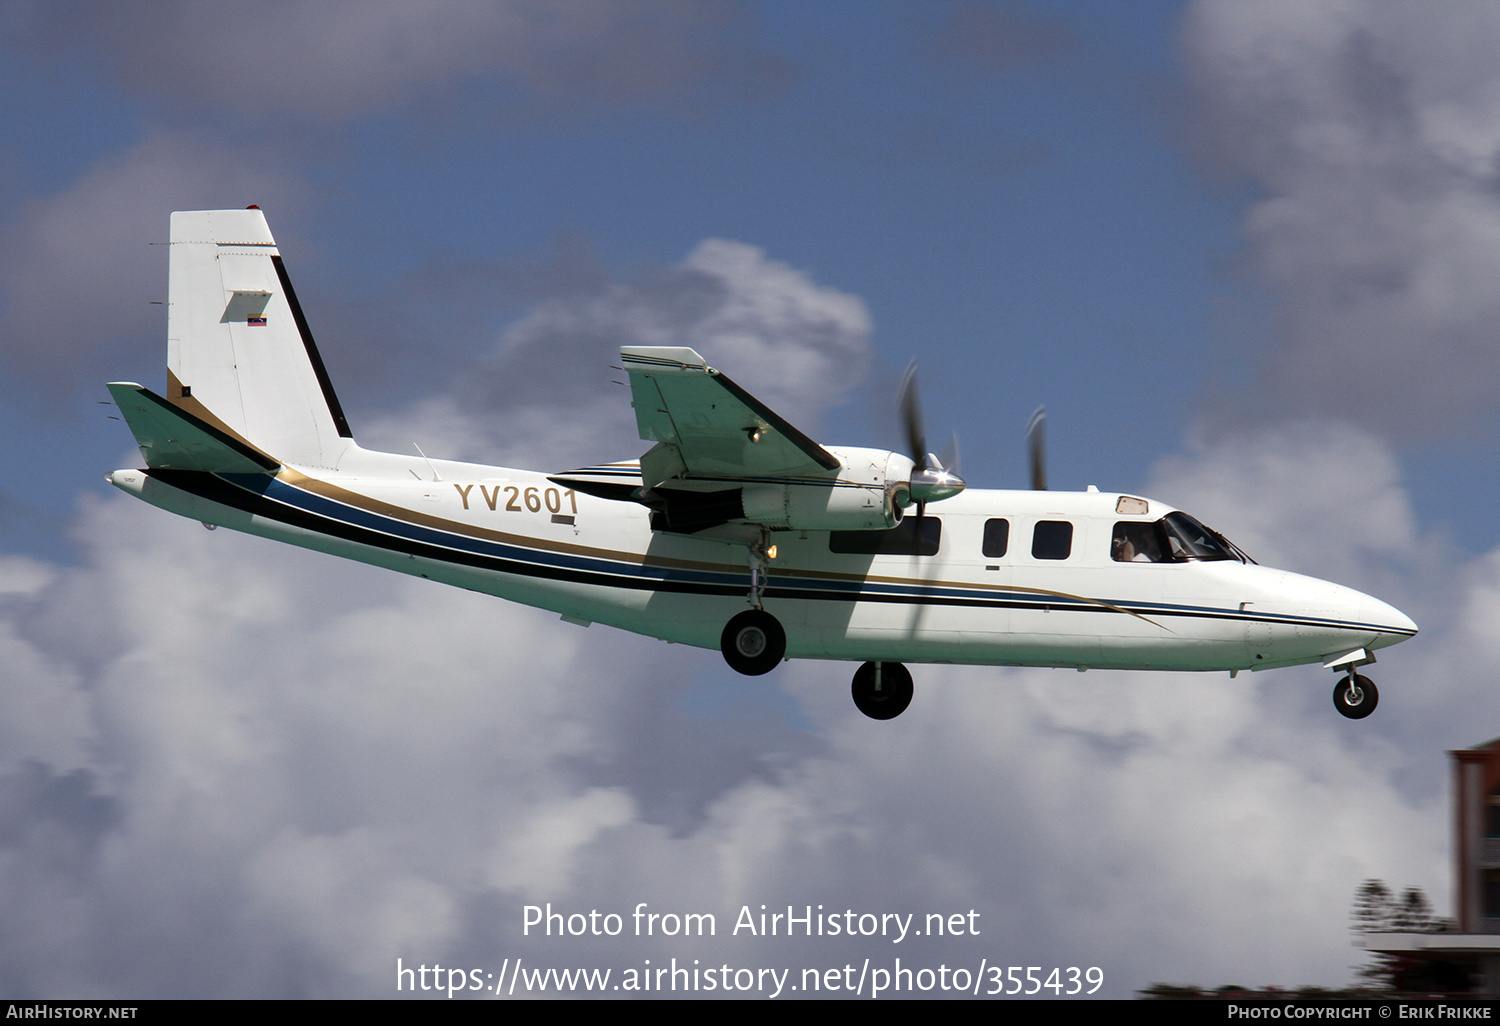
(1175, 538)
(1191, 540)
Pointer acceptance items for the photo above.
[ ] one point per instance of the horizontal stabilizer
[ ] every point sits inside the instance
(170, 437)
(620, 481)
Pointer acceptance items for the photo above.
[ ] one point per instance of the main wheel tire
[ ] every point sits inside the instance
(753, 642)
(1356, 707)
(893, 695)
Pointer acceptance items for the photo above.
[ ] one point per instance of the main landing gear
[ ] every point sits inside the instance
(1355, 696)
(882, 691)
(753, 642)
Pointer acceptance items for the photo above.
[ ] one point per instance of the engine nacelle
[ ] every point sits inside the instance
(862, 495)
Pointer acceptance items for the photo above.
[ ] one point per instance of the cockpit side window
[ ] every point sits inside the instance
(1137, 541)
(1175, 538)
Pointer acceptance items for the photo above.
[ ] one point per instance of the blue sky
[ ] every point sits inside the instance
(1021, 224)
(1240, 251)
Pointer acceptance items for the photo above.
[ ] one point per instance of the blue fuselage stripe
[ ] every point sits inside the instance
(277, 500)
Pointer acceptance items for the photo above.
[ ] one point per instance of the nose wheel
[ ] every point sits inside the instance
(882, 691)
(1355, 696)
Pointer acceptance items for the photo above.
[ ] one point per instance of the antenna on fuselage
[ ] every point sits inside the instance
(1036, 448)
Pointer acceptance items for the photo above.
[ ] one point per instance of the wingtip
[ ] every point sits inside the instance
(664, 357)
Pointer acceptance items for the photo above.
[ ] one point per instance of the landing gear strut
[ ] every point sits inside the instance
(753, 642)
(1355, 696)
(882, 691)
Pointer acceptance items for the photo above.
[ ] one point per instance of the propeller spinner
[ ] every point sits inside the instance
(933, 481)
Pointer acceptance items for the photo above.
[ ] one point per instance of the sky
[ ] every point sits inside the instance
(1242, 252)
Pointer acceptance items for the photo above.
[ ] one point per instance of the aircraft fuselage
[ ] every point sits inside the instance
(734, 529)
(518, 535)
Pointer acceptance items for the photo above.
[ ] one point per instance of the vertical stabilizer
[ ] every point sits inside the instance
(239, 353)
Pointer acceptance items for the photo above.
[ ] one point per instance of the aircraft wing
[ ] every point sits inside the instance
(707, 427)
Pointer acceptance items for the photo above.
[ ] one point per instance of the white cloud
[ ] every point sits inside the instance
(230, 768)
(798, 346)
(1327, 499)
(1368, 134)
(1320, 498)
(20, 575)
(302, 769)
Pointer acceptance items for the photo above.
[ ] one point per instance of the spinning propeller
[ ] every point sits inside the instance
(933, 481)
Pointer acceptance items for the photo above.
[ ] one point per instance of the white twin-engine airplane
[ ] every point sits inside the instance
(734, 530)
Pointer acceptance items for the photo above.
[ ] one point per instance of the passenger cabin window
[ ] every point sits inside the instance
(996, 537)
(902, 540)
(1052, 539)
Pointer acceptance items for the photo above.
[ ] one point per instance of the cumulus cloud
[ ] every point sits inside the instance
(332, 59)
(795, 344)
(248, 780)
(234, 768)
(1367, 135)
(230, 768)
(287, 772)
(1282, 492)
(1328, 500)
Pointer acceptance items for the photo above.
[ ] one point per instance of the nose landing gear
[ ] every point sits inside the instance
(1355, 696)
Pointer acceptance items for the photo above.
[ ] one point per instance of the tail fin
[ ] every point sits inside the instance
(239, 353)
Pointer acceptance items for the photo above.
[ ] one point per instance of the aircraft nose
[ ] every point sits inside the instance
(1390, 621)
(1380, 621)
(1343, 618)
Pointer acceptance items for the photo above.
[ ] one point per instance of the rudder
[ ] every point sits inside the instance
(239, 354)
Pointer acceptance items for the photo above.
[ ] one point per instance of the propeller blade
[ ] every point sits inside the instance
(911, 415)
(1036, 446)
(949, 454)
(929, 481)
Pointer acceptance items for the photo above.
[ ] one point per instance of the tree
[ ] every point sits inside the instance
(1413, 914)
(1377, 911)
(1373, 912)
